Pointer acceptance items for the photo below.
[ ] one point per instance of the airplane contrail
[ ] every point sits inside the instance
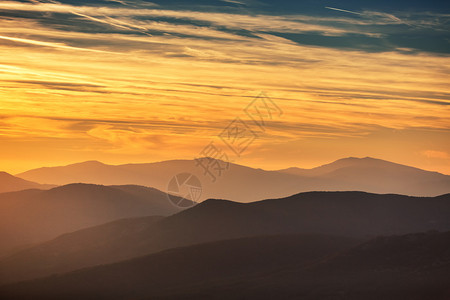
(392, 17)
(343, 10)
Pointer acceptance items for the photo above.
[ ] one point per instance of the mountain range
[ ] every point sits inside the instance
(350, 214)
(245, 184)
(357, 228)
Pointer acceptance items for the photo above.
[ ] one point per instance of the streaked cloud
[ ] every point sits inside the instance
(126, 78)
(47, 44)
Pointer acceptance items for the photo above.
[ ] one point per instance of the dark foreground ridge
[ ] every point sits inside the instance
(414, 266)
(351, 214)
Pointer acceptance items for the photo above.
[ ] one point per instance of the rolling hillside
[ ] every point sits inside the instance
(354, 214)
(10, 183)
(33, 216)
(415, 266)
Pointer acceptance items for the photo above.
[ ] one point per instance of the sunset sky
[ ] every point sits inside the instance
(123, 81)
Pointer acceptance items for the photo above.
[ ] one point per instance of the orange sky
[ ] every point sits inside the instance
(68, 96)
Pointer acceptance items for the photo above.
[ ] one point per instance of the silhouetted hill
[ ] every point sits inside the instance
(341, 213)
(28, 217)
(10, 183)
(246, 184)
(419, 252)
(238, 182)
(164, 272)
(415, 266)
(355, 214)
(102, 244)
(352, 162)
(85, 172)
(376, 176)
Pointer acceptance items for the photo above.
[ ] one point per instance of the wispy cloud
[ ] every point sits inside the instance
(233, 21)
(124, 78)
(51, 45)
(118, 1)
(234, 2)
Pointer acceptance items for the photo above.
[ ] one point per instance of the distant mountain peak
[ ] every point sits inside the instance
(353, 158)
(357, 160)
(78, 185)
(90, 162)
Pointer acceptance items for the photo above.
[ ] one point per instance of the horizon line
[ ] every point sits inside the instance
(231, 162)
